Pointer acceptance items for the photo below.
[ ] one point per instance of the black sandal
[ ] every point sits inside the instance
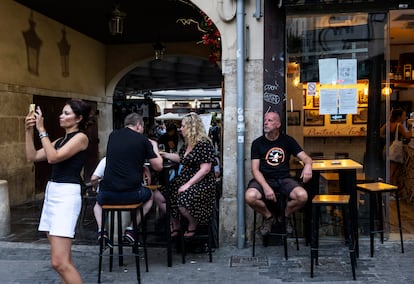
(174, 233)
(192, 232)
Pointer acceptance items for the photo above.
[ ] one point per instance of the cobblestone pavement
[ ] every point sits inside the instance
(29, 263)
(24, 259)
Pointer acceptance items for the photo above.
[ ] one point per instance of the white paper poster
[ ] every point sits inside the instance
(206, 118)
(328, 101)
(348, 101)
(328, 70)
(347, 71)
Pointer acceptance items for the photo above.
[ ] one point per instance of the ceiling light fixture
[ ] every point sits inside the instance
(116, 22)
(159, 50)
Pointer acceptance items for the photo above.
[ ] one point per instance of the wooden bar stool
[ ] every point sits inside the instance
(331, 200)
(111, 210)
(375, 191)
(284, 234)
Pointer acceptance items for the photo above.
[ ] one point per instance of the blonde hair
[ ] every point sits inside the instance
(195, 131)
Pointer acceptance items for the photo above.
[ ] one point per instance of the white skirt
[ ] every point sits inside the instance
(61, 209)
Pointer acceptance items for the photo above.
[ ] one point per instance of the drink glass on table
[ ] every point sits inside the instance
(161, 147)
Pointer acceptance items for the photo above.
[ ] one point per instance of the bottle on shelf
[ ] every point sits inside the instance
(410, 122)
(407, 72)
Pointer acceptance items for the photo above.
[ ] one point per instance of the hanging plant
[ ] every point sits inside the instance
(211, 38)
(210, 35)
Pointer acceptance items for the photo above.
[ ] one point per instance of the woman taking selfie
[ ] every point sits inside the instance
(62, 201)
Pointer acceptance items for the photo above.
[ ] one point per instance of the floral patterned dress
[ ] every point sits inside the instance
(199, 198)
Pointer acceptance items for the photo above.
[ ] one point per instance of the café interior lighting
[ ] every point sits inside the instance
(386, 90)
(159, 50)
(116, 22)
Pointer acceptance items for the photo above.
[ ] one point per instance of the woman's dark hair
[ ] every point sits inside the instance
(396, 114)
(80, 108)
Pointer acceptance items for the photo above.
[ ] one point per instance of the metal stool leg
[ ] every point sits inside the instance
(397, 201)
(254, 234)
(143, 232)
(101, 244)
(120, 245)
(381, 217)
(372, 214)
(135, 248)
(351, 241)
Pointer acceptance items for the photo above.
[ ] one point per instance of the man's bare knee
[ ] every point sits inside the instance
(299, 194)
(251, 195)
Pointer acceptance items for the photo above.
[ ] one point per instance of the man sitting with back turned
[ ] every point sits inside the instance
(126, 153)
(270, 155)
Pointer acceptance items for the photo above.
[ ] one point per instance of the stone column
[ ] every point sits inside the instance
(4, 209)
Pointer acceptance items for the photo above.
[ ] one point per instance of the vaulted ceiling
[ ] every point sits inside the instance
(156, 20)
(145, 22)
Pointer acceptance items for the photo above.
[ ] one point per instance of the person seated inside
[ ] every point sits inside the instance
(270, 155)
(127, 151)
(96, 177)
(169, 139)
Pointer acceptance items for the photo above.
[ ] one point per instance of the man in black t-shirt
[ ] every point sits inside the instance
(126, 153)
(270, 155)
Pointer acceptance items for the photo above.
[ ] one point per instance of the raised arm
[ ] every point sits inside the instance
(156, 163)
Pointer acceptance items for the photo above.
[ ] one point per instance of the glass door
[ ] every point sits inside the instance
(329, 75)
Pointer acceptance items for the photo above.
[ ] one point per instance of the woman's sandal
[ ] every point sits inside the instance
(174, 233)
(189, 234)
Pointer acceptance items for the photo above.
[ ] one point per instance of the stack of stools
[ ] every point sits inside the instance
(375, 191)
(331, 200)
(118, 209)
(282, 203)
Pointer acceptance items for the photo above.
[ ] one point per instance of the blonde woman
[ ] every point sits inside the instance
(192, 192)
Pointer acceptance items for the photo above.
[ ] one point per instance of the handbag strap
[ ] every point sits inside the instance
(396, 132)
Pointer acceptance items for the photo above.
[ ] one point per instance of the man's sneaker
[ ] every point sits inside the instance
(128, 237)
(266, 227)
(107, 241)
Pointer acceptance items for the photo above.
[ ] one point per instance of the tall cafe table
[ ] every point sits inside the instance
(347, 172)
(164, 180)
(168, 166)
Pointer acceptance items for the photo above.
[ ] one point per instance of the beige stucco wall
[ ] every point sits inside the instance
(219, 12)
(17, 85)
